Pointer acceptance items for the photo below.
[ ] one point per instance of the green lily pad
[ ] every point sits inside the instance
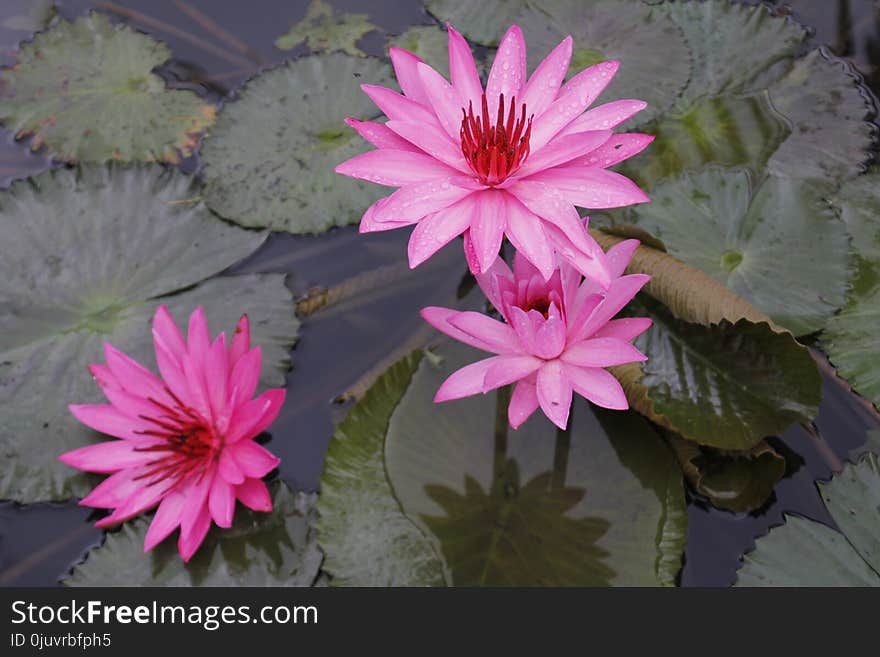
(483, 23)
(738, 48)
(85, 89)
(366, 538)
(269, 160)
(260, 549)
(851, 338)
(806, 553)
(727, 386)
(88, 256)
(734, 481)
(778, 243)
(35, 15)
(325, 30)
(601, 504)
(625, 30)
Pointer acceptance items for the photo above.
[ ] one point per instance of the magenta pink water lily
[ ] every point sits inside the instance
(512, 159)
(557, 337)
(185, 440)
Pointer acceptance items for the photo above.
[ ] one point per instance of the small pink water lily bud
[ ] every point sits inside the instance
(185, 440)
(513, 158)
(557, 337)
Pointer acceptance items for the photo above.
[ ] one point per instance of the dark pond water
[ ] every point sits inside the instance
(346, 345)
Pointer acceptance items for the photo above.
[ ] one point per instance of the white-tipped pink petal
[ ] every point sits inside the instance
(406, 70)
(508, 72)
(394, 168)
(523, 402)
(554, 393)
(436, 230)
(602, 352)
(462, 70)
(598, 386)
(543, 85)
(380, 135)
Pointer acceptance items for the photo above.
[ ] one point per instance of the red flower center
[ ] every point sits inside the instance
(495, 151)
(541, 304)
(188, 444)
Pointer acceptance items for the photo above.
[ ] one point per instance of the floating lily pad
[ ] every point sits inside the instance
(734, 481)
(35, 15)
(806, 553)
(269, 160)
(85, 89)
(325, 30)
(483, 23)
(727, 386)
(851, 338)
(625, 30)
(601, 504)
(366, 538)
(778, 243)
(88, 256)
(260, 549)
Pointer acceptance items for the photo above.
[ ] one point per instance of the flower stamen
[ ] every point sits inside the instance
(495, 152)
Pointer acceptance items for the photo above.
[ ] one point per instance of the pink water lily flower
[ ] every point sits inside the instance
(557, 337)
(186, 440)
(512, 159)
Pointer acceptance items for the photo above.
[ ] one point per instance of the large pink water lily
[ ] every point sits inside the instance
(186, 439)
(513, 159)
(557, 337)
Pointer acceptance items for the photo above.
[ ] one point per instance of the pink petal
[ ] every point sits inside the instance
(444, 99)
(550, 337)
(470, 254)
(370, 225)
(487, 227)
(406, 69)
(171, 368)
(492, 282)
(397, 107)
(573, 99)
(439, 319)
(254, 459)
(114, 490)
(195, 515)
(499, 337)
(602, 352)
(245, 377)
(436, 230)
(591, 187)
(254, 417)
(554, 393)
(217, 379)
(134, 407)
(198, 338)
(191, 537)
(241, 340)
(620, 293)
(462, 70)
(543, 86)
(221, 502)
(526, 233)
(380, 135)
(132, 376)
(523, 403)
(433, 140)
(107, 419)
(394, 168)
(197, 386)
(166, 520)
(607, 116)
(166, 328)
(228, 468)
(254, 495)
(627, 328)
(564, 149)
(549, 204)
(524, 327)
(617, 149)
(466, 381)
(508, 73)
(109, 456)
(140, 500)
(508, 369)
(619, 256)
(597, 385)
(416, 201)
(591, 264)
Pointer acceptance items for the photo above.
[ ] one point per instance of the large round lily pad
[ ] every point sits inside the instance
(269, 160)
(806, 553)
(88, 256)
(602, 504)
(625, 30)
(85, 89)
(851, 339)
(324, 30)
(777, 243)
(484, 22)
(260, 549)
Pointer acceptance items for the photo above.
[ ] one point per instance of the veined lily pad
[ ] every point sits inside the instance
(88, 255)
(269, 160)
(601, 504)
(778, 244)
(727, 386)
(483, 23)
(86, 90)
(366, 538)
(625, 30)
(806, 553)
(324, 30)
(851, 338)
(260, 549)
